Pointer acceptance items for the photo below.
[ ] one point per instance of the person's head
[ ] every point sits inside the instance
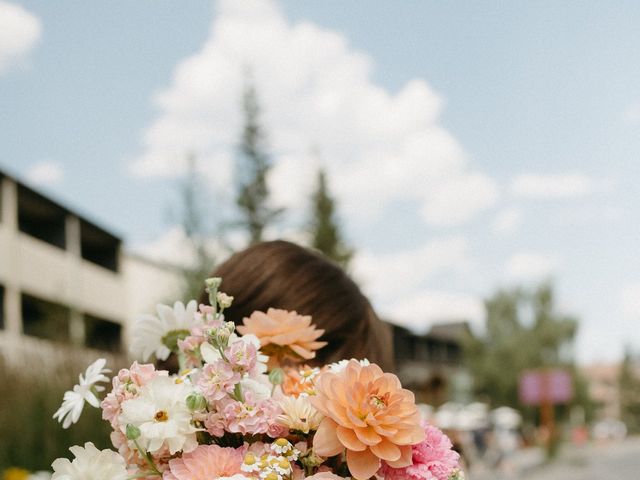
(280, 274)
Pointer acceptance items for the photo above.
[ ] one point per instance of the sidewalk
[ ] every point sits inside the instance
(516, 467)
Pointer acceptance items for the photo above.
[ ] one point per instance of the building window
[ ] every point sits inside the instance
(98, 246)
(102, 334)
(44, 319)
(1, 307)
(40, 217)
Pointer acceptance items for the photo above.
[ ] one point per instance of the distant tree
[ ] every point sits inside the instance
(325, 232)
(630, 392)
(192, 218)
(523, 331)
(253, 167)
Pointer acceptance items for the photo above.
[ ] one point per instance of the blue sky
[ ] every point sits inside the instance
(471, 145)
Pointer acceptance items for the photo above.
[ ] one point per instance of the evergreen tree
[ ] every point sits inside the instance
(630, 392)
(253, 168)
(325, 233)
(193, 221)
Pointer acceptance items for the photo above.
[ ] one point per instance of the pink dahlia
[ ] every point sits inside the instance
(206, 462)
(433, 459)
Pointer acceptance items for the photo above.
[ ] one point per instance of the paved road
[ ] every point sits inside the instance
(611, 461)
(615, 461)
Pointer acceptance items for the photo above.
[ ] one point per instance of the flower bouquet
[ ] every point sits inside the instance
(245, 405)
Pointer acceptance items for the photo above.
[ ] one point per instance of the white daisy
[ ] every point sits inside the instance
(159, 334)
(73, 400)
(90, 464)
(161, 414)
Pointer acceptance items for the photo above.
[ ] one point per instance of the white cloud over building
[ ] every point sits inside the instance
(20, 30)
(316, 92)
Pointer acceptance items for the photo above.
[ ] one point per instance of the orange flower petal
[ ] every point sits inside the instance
(405, 458)
(362, 465)
(367, 435)
(387, 451)
(349, 439)
(325, 441)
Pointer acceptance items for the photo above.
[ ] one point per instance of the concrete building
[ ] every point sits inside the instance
(67, 280)
(431, 364)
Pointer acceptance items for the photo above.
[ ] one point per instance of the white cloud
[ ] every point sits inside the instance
(174, 248)
(426, 308)
(630, 299)
(45, 173)
(395, 274)
(507, 221)
(531, 266)
(552, 186)
(19, 32)
(315, 90)
(632, 114)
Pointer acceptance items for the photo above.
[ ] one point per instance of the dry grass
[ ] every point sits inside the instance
(33, 377)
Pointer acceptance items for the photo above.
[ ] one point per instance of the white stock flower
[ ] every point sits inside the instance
(85, 391)
(259, 386)
(152, 333)
(90, 464)
(160, 412)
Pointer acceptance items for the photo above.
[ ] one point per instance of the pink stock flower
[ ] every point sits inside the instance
(206, 462)
(433, 459)
(217, 380)
(242, 356)
(250, 417)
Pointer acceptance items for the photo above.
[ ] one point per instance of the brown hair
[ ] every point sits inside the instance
(280, 274)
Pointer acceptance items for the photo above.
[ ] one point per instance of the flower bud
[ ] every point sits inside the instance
(224, 300)
(276, 376)
(132, 432)
(196, 401)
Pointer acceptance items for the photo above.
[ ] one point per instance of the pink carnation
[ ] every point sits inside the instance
(433, 459)
(206, 462)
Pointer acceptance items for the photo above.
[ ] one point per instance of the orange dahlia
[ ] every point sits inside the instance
(368, 413)
(284, 334)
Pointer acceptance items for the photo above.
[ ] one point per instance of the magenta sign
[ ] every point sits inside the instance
(545, 386)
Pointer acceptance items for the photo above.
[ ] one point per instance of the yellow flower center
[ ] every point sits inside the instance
(378, 402)
(271, 476)
(161, 416)
(282, 442)
(249, 459)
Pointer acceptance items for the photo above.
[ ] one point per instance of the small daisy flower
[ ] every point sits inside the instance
(84, 391)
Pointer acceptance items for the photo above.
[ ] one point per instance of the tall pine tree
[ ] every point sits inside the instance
(325, 233)
(193, 217)
(253, 168)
